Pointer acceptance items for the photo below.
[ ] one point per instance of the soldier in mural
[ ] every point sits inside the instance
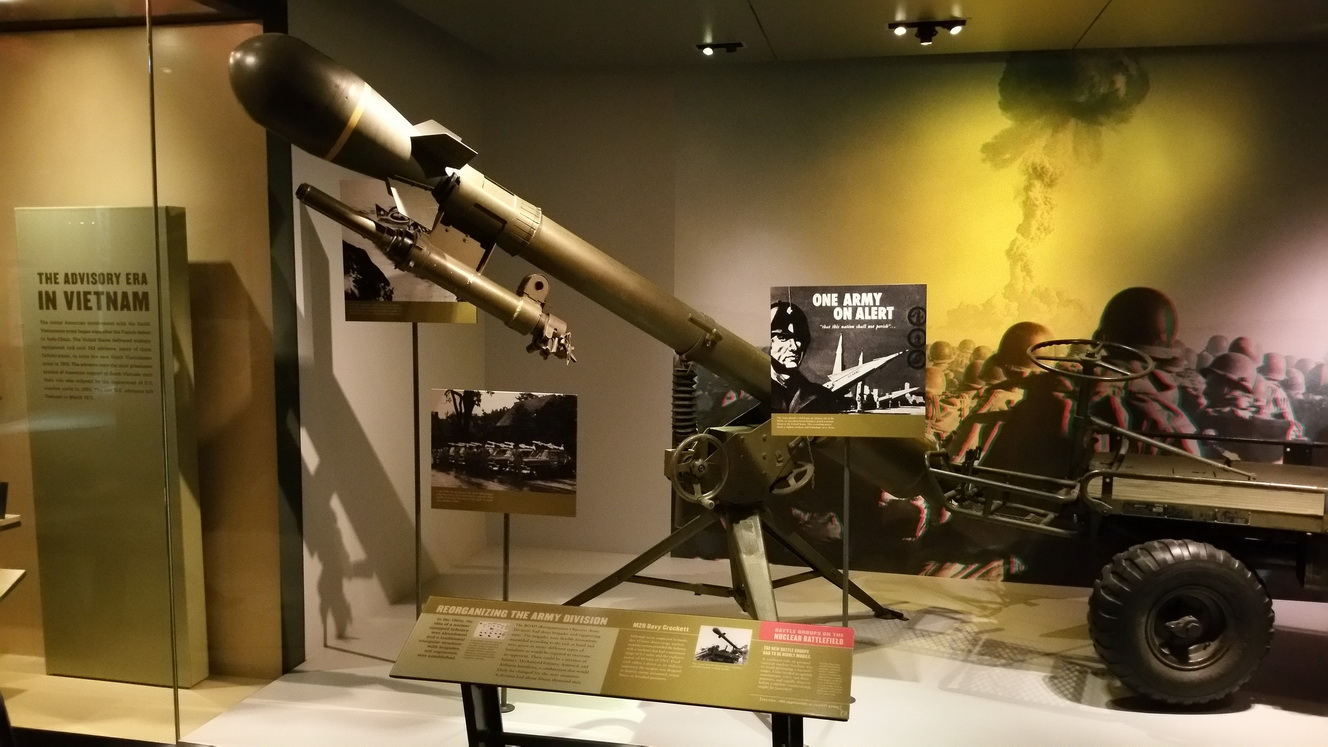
(1006, 374)
(1145, 319)
(941, 356)
(1311, 410)
(943, 409)
(1231, 408)
(791, 390)
(1268, 393)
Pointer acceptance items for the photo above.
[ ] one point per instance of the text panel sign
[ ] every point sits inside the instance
(753, 665)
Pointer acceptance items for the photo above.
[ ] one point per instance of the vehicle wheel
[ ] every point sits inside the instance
(1180, 621)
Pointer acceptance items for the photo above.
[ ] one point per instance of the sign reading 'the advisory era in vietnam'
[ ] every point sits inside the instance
(106, 339)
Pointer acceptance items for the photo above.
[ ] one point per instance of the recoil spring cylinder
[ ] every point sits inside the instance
(684, 399)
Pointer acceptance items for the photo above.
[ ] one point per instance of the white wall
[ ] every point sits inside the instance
(357, 411)
(595, 150)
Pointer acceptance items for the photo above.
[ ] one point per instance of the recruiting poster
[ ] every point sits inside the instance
(848, 360)
(754, 665)
(375, 290)
(505, 452)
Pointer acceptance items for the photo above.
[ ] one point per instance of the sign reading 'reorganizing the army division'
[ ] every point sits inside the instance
(848, 360)
(504, 452)
(754, 665)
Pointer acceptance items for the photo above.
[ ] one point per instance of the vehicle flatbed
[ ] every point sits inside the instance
(1278, 496)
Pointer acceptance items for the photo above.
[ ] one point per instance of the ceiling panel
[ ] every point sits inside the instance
(666, 32)
(597, 32)
(25, 14)
(1152, 23)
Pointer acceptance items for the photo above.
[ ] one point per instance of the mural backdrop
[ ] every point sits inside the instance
(1171, 200)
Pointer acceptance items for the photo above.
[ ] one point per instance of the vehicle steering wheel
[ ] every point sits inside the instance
(1094, 354)
(698, 469)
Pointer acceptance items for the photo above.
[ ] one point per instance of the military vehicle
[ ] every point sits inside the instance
(1179, 613)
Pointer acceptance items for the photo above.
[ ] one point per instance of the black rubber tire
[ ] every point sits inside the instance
(1220, 615)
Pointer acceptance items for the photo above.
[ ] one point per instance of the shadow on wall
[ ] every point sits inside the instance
(362, 488)
(237, 490)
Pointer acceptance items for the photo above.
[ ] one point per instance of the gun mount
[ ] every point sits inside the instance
(320, 106)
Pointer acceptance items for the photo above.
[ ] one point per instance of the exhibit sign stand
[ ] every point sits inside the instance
(106, 333)
(790, 670)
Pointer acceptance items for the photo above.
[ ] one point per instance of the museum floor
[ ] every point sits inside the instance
(976, 663)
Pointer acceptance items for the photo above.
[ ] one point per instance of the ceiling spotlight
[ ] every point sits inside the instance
(926, 31)
(713, 47)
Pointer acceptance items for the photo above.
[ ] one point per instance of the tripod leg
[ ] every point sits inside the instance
(638, 564)
(747, 545)
(817, 562)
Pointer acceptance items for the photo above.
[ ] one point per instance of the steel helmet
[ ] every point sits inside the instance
(1274, 367)
(1235, 368)
(1246, 347)
(1217, 345)
(972, 378)
(788, 320)
(991, 372)
(1295, 382)
(1143, 318)
(1013, 349)
(940, 353)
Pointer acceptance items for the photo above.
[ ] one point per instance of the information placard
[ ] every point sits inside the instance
(104, 296)
(848, 360)
(753, 665)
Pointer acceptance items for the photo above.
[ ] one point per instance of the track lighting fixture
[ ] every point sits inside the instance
(926, 31)
(710, 48)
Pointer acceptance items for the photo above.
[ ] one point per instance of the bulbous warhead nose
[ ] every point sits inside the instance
(307, 98)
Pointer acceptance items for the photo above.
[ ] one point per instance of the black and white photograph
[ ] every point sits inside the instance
(723, 645)
(848, 349)
(491, 449)
(374, 289)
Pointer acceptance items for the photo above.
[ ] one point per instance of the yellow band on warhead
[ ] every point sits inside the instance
(365, 93)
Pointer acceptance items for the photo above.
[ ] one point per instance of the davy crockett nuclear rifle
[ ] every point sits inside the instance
(308, 99)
